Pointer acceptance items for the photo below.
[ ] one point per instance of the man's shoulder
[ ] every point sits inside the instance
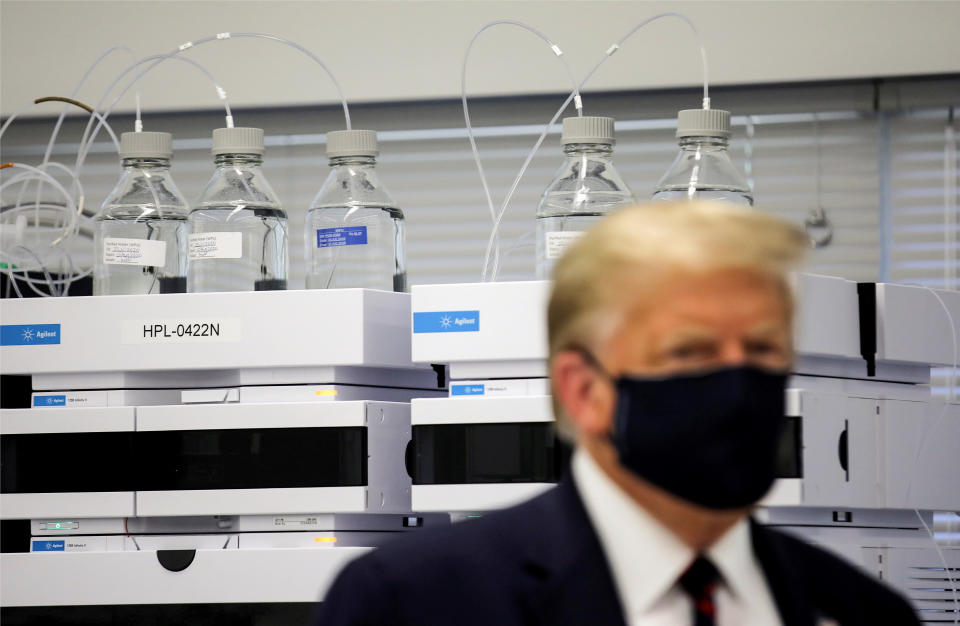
(835, 586)
(471, 572)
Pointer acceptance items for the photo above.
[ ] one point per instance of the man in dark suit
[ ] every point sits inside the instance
(670, 333)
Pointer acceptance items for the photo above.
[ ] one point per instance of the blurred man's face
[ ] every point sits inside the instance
(695, 323)
(723, 319)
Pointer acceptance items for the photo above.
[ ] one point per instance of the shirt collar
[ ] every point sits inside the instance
(645, 557)
(732, 554)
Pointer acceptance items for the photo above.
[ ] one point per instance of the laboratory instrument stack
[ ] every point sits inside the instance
(866, 459)
(703, 169)
(190, 447)
(354, 234)
(491, 443)
(586, 187)
(238, 231)
(140, 244)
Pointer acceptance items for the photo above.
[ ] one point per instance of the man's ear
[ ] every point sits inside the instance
(586, 397)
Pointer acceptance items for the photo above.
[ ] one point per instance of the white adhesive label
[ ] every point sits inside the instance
(215, 246)
(295, 521)
(85, 544)
(206, 330)
(121, 251)
(558, 241)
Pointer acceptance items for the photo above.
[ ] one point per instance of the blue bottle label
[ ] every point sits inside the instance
(344, 236)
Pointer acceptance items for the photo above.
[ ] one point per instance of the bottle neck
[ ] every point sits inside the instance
(595, 149)
(235, 160)
(368, 161)
(146, 163)
(692, 143)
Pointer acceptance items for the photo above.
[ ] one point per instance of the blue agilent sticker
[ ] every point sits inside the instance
(45, 545)
(446, 322)
(467, 390)
(29, 334)
(346, 236)
(49, 400)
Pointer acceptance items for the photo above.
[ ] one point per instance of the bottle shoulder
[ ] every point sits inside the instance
(587, 174)
(353, 185)
(125, 212)
(233, 186)
(358, 208)
(236, 211)
(714, 171)
(141, 194)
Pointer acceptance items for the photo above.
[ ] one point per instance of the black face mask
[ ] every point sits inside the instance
(710, 439)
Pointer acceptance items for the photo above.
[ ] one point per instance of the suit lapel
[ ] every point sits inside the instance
(571, 579)
(787, 588)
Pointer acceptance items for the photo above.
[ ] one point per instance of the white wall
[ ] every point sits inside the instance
(404, 50)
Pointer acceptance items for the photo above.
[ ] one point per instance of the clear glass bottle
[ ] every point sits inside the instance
(354, 234)
(238, 232)
(140, 239)
(703, 169)
(586, 188)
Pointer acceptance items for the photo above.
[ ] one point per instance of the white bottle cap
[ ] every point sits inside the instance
(344, 143)
(587, 130)
(703, 123)
(146, 145)
(238, 141)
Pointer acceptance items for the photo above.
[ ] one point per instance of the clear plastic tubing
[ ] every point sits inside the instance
(191, 44)
(31, 175)
(575, 96)
(63, 114)
(88, 138)
(34, 173)
(25, 179)
(575, 93)
(76, 90)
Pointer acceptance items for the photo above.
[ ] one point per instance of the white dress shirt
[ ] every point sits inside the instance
(646, 559)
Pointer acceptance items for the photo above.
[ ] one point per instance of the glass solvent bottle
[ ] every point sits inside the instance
(703, 169)
(586, 188)
(354, 234)
(238, 231)
(141, 231)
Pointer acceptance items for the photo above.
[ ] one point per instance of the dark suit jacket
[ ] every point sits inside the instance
(541, 563)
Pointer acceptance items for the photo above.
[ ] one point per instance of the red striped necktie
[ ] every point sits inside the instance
(700, 581)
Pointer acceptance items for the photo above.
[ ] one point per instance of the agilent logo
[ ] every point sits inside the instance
(446, 322)
(467, 390)
(29, 334)
(48, 546)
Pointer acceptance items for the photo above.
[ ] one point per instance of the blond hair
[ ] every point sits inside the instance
(633, 250)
